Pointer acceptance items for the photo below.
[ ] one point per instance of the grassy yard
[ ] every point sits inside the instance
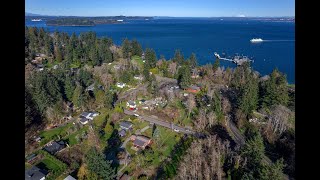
(138, 59)
(54, 133)
(48, 164)
(152, 158)
(72, 138)
(99, 120)
(27, 165)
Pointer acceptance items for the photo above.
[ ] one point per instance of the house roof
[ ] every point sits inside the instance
(132, 103)
(122, 133)
(35, 173)
(141, 140)
(125, 124)
(83, 120)
(54, 147)
(194, 87)
(84, 114)
(70, 178)
(32, 156)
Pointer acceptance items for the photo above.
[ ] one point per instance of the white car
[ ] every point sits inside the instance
(137, 115)
(176, 130)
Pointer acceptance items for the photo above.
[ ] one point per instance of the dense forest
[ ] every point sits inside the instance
(261, 108)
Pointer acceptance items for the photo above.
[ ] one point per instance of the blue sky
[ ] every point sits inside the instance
(176, 8)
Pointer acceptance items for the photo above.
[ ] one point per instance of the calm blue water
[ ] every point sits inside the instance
(205, 36)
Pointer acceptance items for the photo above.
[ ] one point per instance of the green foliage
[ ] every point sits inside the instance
(273, 171)
(253, 150)
(275, 90)
(69, 87)
(56, 167)
(184, 76)
(126, 48)
(248, 100)
(170, 167)
(85, 78)
(76, 98)
(110, 98)
(45, 90)
(216, 64)
(136, 48)
(178, 57)
(193, 60)
(126, 76)
(98, 164)
(150, 58)
(146, 72)
(217, 107)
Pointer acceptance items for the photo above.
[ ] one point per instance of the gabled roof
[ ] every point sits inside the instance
(125, 124)
(69, 178)
(122, 133)
(84, 114)
(83, 120)
(54, 146)
(35, 173)
(139, 142)
(132, 103)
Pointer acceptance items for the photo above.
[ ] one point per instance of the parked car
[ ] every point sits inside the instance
(137, 115)
(176, 130)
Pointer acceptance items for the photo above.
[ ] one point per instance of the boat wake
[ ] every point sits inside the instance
(281, 40)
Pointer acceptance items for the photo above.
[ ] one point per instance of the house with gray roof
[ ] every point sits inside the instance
(70, 178)
(126, 125)
(35, 173)
(54, 147)
(122, 133)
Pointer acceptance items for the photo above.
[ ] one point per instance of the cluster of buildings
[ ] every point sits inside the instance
(85, 117)
(125, 126)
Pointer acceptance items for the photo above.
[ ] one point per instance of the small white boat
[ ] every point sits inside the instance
(120, 20)
(36, 19)
(256, 40)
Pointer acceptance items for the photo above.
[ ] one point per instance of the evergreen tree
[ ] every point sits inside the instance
(136, 48)
(126, 48)
(193, 61)
(216, 64)
(146, 72)
(184, 76)
(98, 164)
(273, 171)
(178, 57)
(248, 100)
(275, 90)
(69, 87)
(58, 54)
(151, 58)
(76, 98)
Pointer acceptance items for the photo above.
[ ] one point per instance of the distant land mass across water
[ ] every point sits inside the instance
(204, 36)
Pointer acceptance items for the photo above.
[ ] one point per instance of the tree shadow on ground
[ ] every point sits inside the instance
(222, 134)
(168, 168)
(112, 149)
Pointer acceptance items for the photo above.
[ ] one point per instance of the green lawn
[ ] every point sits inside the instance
(27, 165)
(72, 138)
(50, 164)
(99, 120)
(54, 133)
(138, 59)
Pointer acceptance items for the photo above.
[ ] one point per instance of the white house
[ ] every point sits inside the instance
(120, 85)
(131, 104)
(87, 116)
(138, 77)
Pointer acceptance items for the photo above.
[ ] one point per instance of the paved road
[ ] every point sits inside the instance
(240, 139)
(160, 122)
